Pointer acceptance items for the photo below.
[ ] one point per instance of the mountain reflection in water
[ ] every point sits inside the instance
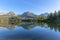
(31, 31)
(52, 26)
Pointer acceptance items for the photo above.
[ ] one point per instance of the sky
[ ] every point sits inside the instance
(35, 6)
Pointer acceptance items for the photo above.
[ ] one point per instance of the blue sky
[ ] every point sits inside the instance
(35, 6)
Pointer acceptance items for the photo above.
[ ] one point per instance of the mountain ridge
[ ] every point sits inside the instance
(26, 14)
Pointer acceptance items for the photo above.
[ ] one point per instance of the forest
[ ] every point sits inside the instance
(52, 17)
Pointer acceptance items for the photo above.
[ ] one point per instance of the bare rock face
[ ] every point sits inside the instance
(45, 14)
(11, 13)
(28, 15)
(7, 15)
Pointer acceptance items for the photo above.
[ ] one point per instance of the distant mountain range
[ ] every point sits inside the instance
(31, 15)
(2, 13)
(45, 14)
(27, 14)
(9, 13)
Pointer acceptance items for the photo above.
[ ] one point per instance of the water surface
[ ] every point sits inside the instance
(30, 31)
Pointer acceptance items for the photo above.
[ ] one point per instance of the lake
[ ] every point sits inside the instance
(30, 31)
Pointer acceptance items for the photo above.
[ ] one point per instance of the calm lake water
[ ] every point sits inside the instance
(30, 31)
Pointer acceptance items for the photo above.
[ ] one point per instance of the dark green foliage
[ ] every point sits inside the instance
(54, 17)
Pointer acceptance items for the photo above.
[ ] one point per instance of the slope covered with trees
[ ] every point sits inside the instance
(54, 17)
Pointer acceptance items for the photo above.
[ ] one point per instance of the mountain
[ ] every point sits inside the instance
(45, 14)
(11, 13)
(28, 15)
(2, 13)
(7, 15)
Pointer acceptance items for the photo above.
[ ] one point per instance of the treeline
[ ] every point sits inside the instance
(54, 17)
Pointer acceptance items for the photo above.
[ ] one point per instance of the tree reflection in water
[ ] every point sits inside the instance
(28, 25)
